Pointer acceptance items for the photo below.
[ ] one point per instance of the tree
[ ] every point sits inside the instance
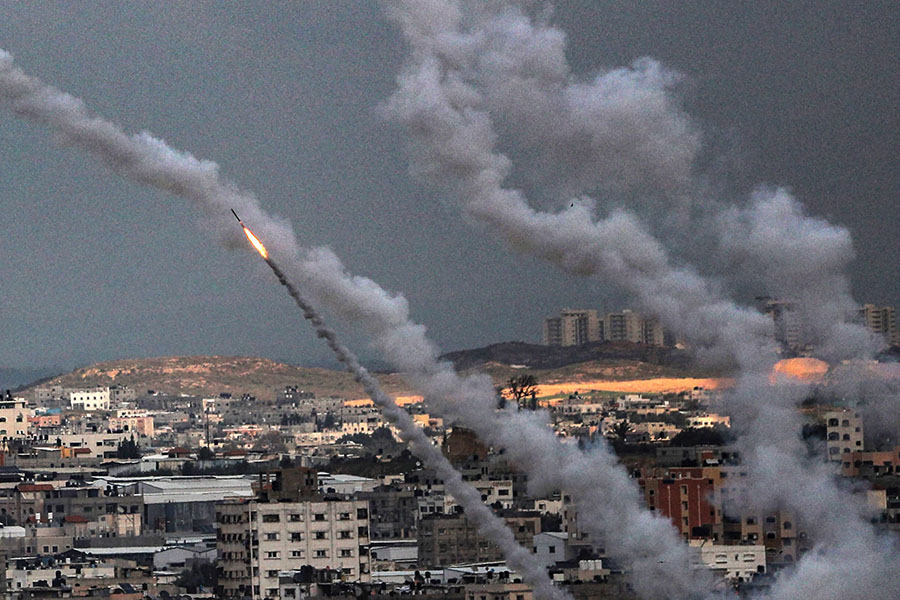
(521, 388)
(204, 453)
(621, 429)
(128, 449)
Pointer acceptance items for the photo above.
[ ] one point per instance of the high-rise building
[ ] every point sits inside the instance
(624, 326)
(787, 320)
(881, 320)
(573, 327)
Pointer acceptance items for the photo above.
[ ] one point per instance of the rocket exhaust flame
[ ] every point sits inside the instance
(258, 245)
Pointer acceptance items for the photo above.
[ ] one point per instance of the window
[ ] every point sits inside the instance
(552, 549)
(271, 537)
(345, 535)
(272, 554)
(295, 517)
(296, 537)
(319, 517)
(296, 553)
(344, 516)
(271, 519)
(788, 525)
(346, 552)
(321, 553)
(320, 535)
(272, 573)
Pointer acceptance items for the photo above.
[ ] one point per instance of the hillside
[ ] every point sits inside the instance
(627, 360)
(210, 375)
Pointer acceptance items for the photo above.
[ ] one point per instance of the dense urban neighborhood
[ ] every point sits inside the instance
(111, 491)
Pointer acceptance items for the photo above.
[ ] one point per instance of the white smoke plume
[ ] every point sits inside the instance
(468, 63)
(489, 525)
(603, 492)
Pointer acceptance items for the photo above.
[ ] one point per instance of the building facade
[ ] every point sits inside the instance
(881, 320)
(256, 540)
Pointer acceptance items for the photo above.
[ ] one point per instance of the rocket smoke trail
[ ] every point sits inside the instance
(150, 161)
(607, 499)
(475, 69)
(489, 525)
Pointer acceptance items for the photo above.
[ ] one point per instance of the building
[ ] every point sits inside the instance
(736, 563)
(141, 425)
(787, 321)
(288, 527)
(14, 417)
(452, 539)
(573, 328)
(870, 464)
(686, 496)
(119, 394)
(844, 433)
(624, 326)
(89, 399)
(881, 320)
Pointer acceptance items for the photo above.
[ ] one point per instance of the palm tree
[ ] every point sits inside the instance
(621, 429)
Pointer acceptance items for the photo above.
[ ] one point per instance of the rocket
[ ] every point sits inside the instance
(254, 241)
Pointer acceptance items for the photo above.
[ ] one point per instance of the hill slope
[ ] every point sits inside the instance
(210, 375)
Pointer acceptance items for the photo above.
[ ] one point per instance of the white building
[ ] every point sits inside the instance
(736, 563)
(89, 399)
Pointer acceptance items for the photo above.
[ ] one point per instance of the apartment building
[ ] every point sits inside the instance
(287, 527)
(14, 417)
(881, 320)
(573, 327)
(89, 399)
(844, 433)
(445, 540)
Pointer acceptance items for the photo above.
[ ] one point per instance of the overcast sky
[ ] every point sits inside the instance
(283, 96)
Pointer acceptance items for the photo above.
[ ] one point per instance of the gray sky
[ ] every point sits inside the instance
(283, 96)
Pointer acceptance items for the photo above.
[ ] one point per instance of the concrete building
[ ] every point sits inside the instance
(573, 328)
(736, 563)
(787, 321)
(452, 540)
(89, 399)
(13, 418)
(881, 320)
(624, 326)
(551, 547)
(870, 464)
(258, 539)
(844, 433)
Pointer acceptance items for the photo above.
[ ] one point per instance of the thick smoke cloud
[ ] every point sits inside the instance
(448, 98)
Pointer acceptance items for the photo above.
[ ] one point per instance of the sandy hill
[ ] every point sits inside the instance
(210, 375)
